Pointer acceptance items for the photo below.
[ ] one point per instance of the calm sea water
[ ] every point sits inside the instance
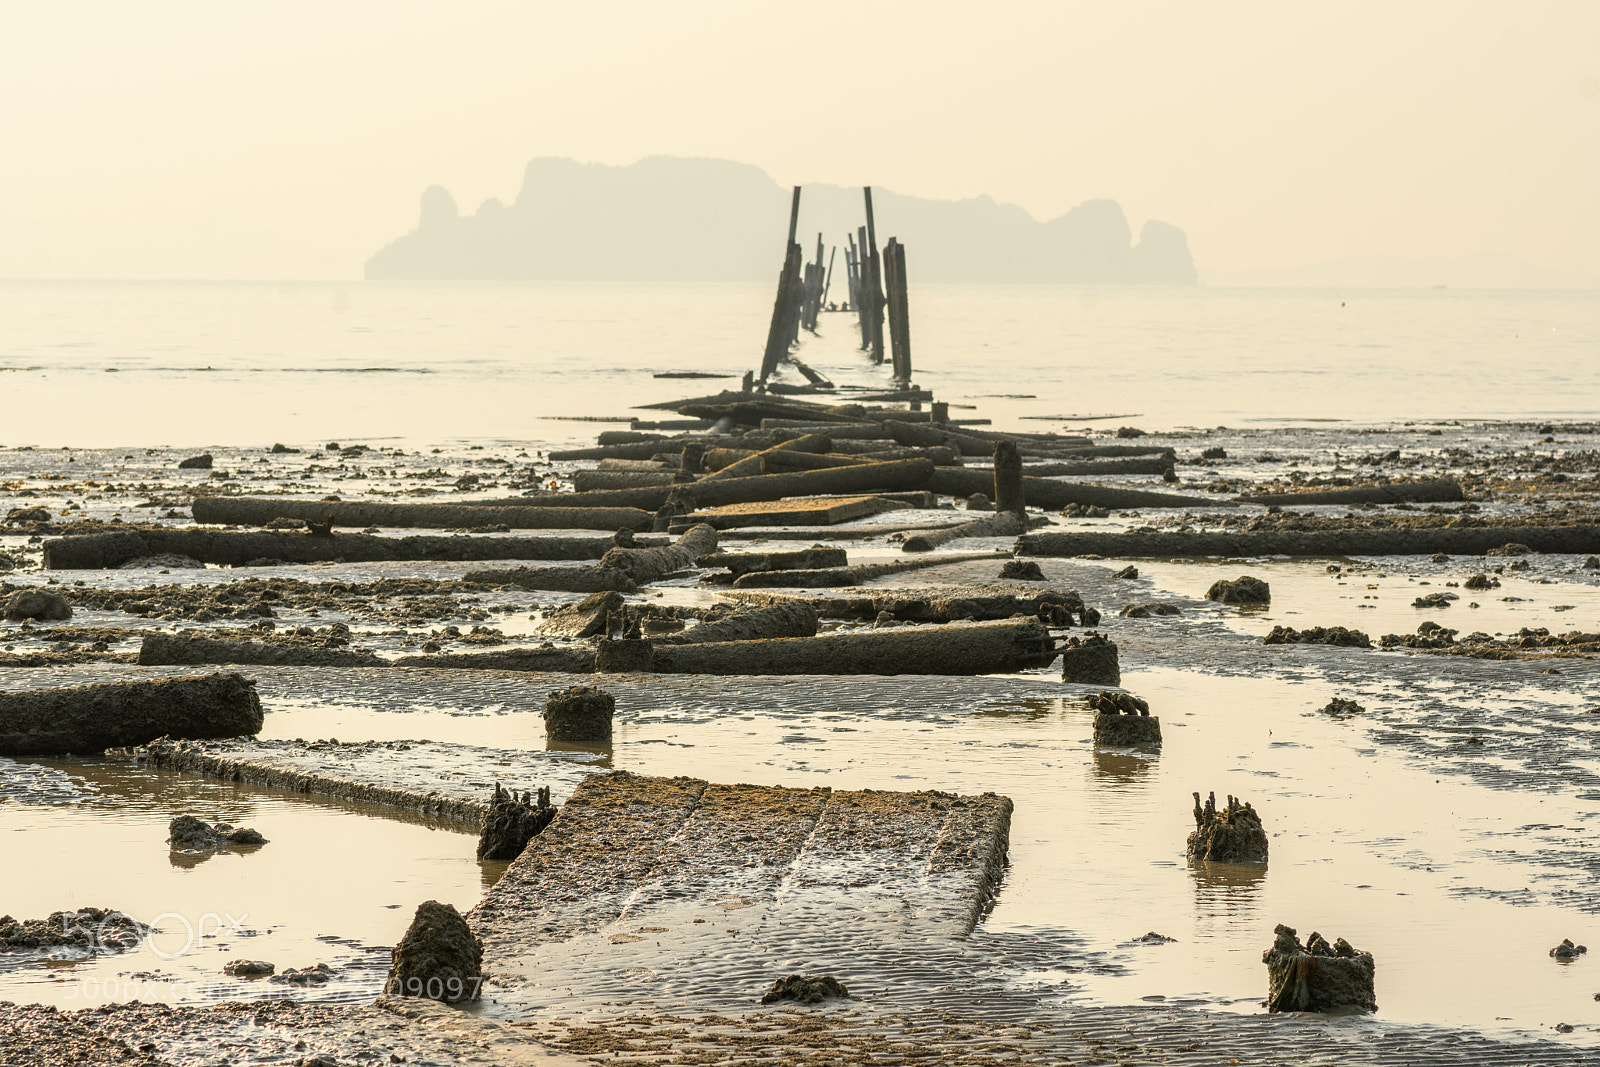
(115, 363)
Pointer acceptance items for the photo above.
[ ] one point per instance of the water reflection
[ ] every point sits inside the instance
(188, 859)
(1118, 768)
(1023, 709)
(1226, 894)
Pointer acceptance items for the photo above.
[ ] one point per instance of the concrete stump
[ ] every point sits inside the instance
(1123, 719)
(580, 713)
(1231, 835)
(1090, 660)
(439, 958)
(1318, 976)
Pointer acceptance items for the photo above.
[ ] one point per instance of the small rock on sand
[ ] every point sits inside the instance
(189, 834)
(1021, 570)
(1244, 589)
(37, 604)
(439, 958)
(248, 968)
(1130, 571)
(806, 989)
(979, 502)
(201, 462)
(1568, 951)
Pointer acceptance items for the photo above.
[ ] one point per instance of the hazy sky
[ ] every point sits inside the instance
(291, 140)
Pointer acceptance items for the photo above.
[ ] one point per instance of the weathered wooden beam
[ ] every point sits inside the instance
(555, 511)
(1329, 544)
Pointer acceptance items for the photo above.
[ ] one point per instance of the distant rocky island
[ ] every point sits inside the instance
(670, 219)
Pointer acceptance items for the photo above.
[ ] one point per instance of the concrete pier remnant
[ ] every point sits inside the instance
(1123, 719)
(579, 713)
(1318, 976)
(1090, 660)
(659, 869)
(1232, 834)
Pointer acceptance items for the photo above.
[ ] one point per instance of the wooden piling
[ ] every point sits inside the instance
(1007, 477)
(782, 331)
(874, 289)
(894, 271)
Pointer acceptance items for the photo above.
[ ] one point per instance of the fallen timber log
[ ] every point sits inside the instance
(1442, 490)
(192, 649)
(751, 465)
(656, 850)
(1153, 465)
(1001, 524)
(528, 515)
(228, 548)
(589, 481)
(828, 577)
(752, 624)
(863, 478)
(557, 579)
(804, 559)
(647, 564)
(780, 462)
(92, 718)
(1114, 451)
(974, 604)
(790, 511)
(638, 449)
(578, 660)
(927, 435)
(646, 466)
(1049, 493)
(839, 431)
(717, 458)
(961, 649)
(1453, 540)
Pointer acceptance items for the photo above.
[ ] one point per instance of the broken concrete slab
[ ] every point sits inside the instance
(627, 850)
(453, 782)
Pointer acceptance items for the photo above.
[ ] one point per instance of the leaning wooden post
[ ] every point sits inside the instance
(874, 282)
(827, 280)
(852, 272)
(894, 271)
(781, 332)
(1007, 477)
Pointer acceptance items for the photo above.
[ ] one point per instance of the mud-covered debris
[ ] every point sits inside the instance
(38, 604)
(1510, 548)
(1318, 976)
(1153, 938)
(1339, 708)
(1438, 557)
(1592, 564)
(979, 502)
(189, 834)
(585, 618)
(1124, 719)
(1090, 660)
(171, 561)
(1435, 600)
(1214, 453)
(579, 713)
(1244, 589)
(201, 462)
(512, 821)
(27, 515)
(88, 929)
(439, 958)
(1318, 635)
(1232, 834)
(806, 989)
(1085, 511)
(321, 974)
(1149, 610)
(1481, 581)
(1567, 950)
(1021, 570)
(248, 968)
(1429, 635)
(1130, 571)
(1129, 431)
